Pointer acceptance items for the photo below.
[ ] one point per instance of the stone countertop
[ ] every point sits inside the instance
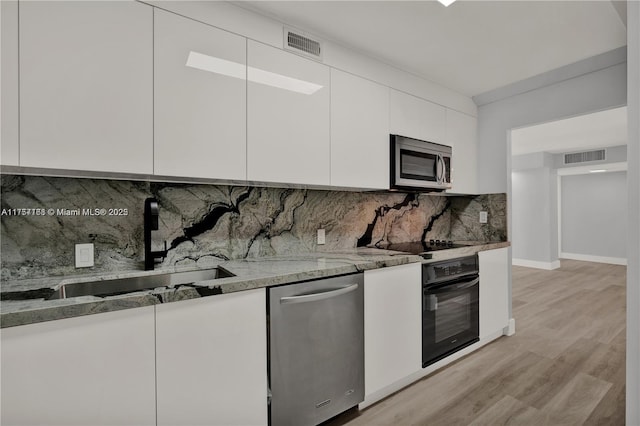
(472, 248)
(249, 274)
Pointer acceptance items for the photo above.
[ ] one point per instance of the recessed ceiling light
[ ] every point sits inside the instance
(446, 2)
(597, 171)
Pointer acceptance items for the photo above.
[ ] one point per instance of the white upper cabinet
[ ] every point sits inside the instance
(288, 117)
(86, 91)
(416, 118)
(462, 137)
(9, 108)
(212, 360)
(89, 370)
(199, 99)
(359, 132)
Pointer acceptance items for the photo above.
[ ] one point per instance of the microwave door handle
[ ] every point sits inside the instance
(444, 170)
(439, 171)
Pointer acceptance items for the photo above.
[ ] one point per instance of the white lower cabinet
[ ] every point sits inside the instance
(89, 370)
(212, 360)
(494, 291)
(392, 327)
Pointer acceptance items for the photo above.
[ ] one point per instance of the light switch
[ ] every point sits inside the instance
(483, 217)
(84, 255)
(321, 238)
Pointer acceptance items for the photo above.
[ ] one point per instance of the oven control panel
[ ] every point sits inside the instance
(449, 269)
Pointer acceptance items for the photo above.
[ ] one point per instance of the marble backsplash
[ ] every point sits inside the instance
(44, 217)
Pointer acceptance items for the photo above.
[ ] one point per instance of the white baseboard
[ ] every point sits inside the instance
(597, 259)
(536, 264)
(510, 329)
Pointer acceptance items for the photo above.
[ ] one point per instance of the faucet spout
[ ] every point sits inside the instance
(151, 223)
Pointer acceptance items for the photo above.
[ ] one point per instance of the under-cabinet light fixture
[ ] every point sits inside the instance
(446, 3)
(256, 75)
(597, 171)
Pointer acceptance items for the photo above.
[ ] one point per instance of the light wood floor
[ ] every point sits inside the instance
(564, 366)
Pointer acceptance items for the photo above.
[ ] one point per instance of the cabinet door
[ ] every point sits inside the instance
(90, 370)
(199, 98)
(288, 117)
(9, 72)
(359, 132)
(461, 136)
(494, 290)
(392, 325)
(416, 118)
(86, 85)
(212, 360)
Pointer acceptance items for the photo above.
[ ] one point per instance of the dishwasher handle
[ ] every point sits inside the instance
(314, 297)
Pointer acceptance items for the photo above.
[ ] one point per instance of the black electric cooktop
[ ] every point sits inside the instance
(421, 247)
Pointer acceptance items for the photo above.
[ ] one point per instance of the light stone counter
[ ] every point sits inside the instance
(249, 274)
(473, 248)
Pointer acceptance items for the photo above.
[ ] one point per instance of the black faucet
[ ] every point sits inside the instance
(151, 214)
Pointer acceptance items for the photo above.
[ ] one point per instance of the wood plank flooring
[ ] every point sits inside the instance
(564, 366)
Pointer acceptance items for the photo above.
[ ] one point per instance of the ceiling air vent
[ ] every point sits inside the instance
(584, 157)
(298, 43)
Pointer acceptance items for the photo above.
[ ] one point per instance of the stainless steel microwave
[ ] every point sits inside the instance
(417, 164)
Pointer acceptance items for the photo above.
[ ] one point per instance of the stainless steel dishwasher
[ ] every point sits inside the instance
(316, 349)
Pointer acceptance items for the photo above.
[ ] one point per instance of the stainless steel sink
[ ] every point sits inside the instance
(127, 285)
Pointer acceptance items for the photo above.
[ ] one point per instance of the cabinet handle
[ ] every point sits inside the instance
(322, 295)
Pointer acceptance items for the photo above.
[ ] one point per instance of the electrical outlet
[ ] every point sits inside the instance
(84, 255)
(321, 239)
(483, 217)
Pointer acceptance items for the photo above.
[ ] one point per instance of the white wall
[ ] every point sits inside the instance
(534, 217)
(633, 251)
(594, 217)
(591, 85)
(601, 89)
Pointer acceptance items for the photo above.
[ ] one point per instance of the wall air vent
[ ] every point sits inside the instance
(584, 157)
(298, 43)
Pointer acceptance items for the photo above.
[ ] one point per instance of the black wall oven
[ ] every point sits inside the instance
(450, 314)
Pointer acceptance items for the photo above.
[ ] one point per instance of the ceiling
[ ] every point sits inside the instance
(590, 131)
(472, 46)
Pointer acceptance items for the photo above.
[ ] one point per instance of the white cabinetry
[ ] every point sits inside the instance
(288, 117)
(392, 328)
(359, 132)
(462, 137)
(416, 118)
(199, 99)
(212, 360)
(9, 63)
(86, 85)
(494, 291)
(90, 370)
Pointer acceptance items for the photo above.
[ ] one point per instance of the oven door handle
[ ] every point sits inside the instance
(451, 288)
